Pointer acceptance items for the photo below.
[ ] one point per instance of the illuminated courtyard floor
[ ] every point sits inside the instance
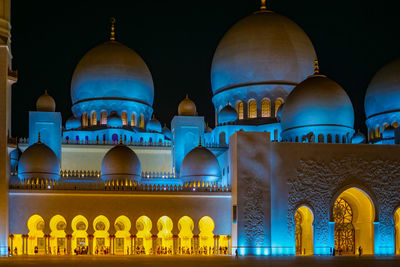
(191, 261)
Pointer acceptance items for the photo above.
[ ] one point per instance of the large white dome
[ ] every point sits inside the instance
(263, 48)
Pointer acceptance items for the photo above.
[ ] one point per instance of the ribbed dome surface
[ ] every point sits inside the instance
(200, 164)
(317, 101)
(39, 161)
(383, 93)
(120, 163)
(46, 103)
(262, 48)
(227, 114)
(187, 107)
(112, 70)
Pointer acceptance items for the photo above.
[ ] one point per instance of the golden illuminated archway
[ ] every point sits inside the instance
(101, 242)
(304, 231)
(164, 226)
(144, 241)
(79, 227)
(36, 241)
(58, 244)
(206, 227)
(122, 227)
(185, 227)
(397, 231)
(353, 213)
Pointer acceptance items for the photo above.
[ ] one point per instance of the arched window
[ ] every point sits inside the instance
(329, 138)
(85, 119)
(297, 139)
(115, 138)
(93, 118)
(371, 133)
(252, 109)
(141, 121)
(265, 108)
(320, 138)
(124, 118)
(278, 103)
(395, 124)
(344, 139)
(239, 109)
(337, 139)
(222, 138)
(103, 118)
(133, 120)
(378, 132)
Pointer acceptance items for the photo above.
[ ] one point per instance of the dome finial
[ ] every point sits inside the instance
(200, 141)
(112, 36)
(187, 96)
(45, 92)
(263, 5)
(316, 66)
(39, 138)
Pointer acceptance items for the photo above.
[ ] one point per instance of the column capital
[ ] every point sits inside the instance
(90, 236)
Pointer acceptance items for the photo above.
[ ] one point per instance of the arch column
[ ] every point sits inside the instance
(69, 239)
(154, 244)
(229, 245)
(11, 244)
(175, 239)
(195, 246)
(46, 244)
(216, 244)
(90, 245)
(132, 245)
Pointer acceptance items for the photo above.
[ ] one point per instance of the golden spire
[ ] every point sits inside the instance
(39, 138)
(263, 5)
(199, 140)
(316, 67)
(112, 36)
(187, 96)
(45, 92)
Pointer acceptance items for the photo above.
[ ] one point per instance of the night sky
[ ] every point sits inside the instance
(177, 40)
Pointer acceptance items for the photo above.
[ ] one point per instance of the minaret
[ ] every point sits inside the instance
(7, 78)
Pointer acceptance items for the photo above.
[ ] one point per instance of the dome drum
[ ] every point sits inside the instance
(311, 134)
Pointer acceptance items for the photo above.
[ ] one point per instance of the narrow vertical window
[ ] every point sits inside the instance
(252, 109)
(265, 108)
(278, 103)
(239, 109)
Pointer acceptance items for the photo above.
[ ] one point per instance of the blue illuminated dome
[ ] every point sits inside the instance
(200, 164)
(227, 114)
(120, 163)
(358, 138)
(262, 55)
(72, 123)
(111, 77)
(382, 99)
(153, 125)
(318, 106)
(114, 120)
(39, 161)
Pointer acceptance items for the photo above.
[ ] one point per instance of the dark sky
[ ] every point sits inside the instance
(177, 40)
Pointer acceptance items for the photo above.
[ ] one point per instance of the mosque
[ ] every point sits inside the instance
(282, 173)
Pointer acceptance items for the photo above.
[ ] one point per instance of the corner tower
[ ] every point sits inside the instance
(7, 78)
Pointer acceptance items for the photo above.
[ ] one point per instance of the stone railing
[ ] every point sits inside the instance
(108, 142)
(158, 175)
(216, 145)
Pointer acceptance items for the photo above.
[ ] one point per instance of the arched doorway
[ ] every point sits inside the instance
(122, 227)
(206, 227)
(79, 241)
(36, 242)
(397, 231)
(58, 243)
(304, 232)
(165, 241)
(353, 213)
(185, 227)
(144, 241)
(101, 225)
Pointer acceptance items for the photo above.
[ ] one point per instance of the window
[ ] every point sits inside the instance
(320, 138)
(395, 124)
(103, 118)
(278, 103)
(133, 120)
(252, 109)
(378, 132)
(93, 118)
(329, 138)
(141, 121)
(337, 139)
(265, 108)
(124, 118)
(239, 109)
(85, 119)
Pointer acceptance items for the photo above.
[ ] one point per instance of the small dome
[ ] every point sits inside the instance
(187, 107)
(46, 103)
(39, 161)
(72, 123)
(318, 105)
(167, 132)
(383, 93)
(358, 138)
(227, 114)
(120, 163)
(200, 164)
(389, 132)
(153, 125)
(114, 120)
